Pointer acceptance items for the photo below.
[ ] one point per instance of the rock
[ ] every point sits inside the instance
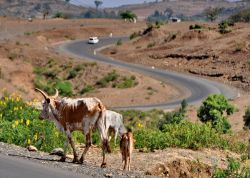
(108, 175)
(32, 148)
(57, 151)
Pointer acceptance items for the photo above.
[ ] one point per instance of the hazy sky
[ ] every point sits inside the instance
(112, 3)
(108, 3)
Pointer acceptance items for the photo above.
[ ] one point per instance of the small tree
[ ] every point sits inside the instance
(215, 109)
(212, 13)
(98, 3)
(128, 15)
(174, 117)
(224, 27)
(246, 118)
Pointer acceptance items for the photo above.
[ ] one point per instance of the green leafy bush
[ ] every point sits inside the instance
(241, 16)
(184, 135)
(119, 42)
(62, 15)
(128, 15)
(174, 117)
(150, 45)
(72, 74)
(247, 118)
(87, 89)
(195, 27)
(64, 87)
(111, 76)
(19, 124)
(213, 109)
(134, 35)
(234, 169)
(126, 83)
(224, 27)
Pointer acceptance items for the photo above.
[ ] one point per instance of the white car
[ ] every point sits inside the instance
(93, 40)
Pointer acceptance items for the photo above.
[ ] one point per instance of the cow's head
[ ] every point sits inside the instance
(48, 104)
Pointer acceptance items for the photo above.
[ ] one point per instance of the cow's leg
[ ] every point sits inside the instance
(87, 146)
(126, 160)
(69, 136)
(66, 143)
(105, 143)
(129, 160)
(116, 133)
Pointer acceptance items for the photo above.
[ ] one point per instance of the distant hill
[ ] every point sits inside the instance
(35, 8)
(180, 7)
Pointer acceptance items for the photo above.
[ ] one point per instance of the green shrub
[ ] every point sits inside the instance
(126, 83)
(150, 45)
(234, 169)
(224, 27)
(19, 124)
(78, 68)
(12, 56)
(64, 87)
(195, 27)
(247, 118)
(111, 76)
(213, 109)
(27, 33)
(241, 16)
(72, 74)
(134, 35)
(61, 15)
(184, 135)
(119, 42)
(87, 89)
(175, 117)
(128, 15)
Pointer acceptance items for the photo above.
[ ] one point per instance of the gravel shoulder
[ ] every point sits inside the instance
(52, 161)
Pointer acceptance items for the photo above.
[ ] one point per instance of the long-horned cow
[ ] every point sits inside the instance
(82, 114)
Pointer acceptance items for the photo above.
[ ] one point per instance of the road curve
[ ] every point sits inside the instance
(197, 88)
(12, 167)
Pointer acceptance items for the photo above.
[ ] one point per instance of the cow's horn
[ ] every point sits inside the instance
(56, 95)
(42, 92)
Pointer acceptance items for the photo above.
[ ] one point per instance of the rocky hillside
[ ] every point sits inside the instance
(180, 7)
(36, 8)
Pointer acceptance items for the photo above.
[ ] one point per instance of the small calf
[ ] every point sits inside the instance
(126, 148)
(114, 122)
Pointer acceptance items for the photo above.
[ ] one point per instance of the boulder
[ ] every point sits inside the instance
(32, 148)
(57, 151)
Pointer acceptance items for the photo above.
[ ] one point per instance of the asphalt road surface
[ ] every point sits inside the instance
(197, 88)
(12, 167)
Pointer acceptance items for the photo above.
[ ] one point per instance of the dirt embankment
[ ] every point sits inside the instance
(29, 46)
(204, 52)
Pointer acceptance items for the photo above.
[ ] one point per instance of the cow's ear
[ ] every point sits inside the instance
(47, 100)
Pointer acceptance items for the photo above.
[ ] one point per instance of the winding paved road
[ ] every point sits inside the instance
(11, 167)
(197, 88)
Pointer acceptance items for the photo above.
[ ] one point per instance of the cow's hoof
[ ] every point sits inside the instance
(104, 165)
(81, 160)
(75, 160)
(62, 159)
